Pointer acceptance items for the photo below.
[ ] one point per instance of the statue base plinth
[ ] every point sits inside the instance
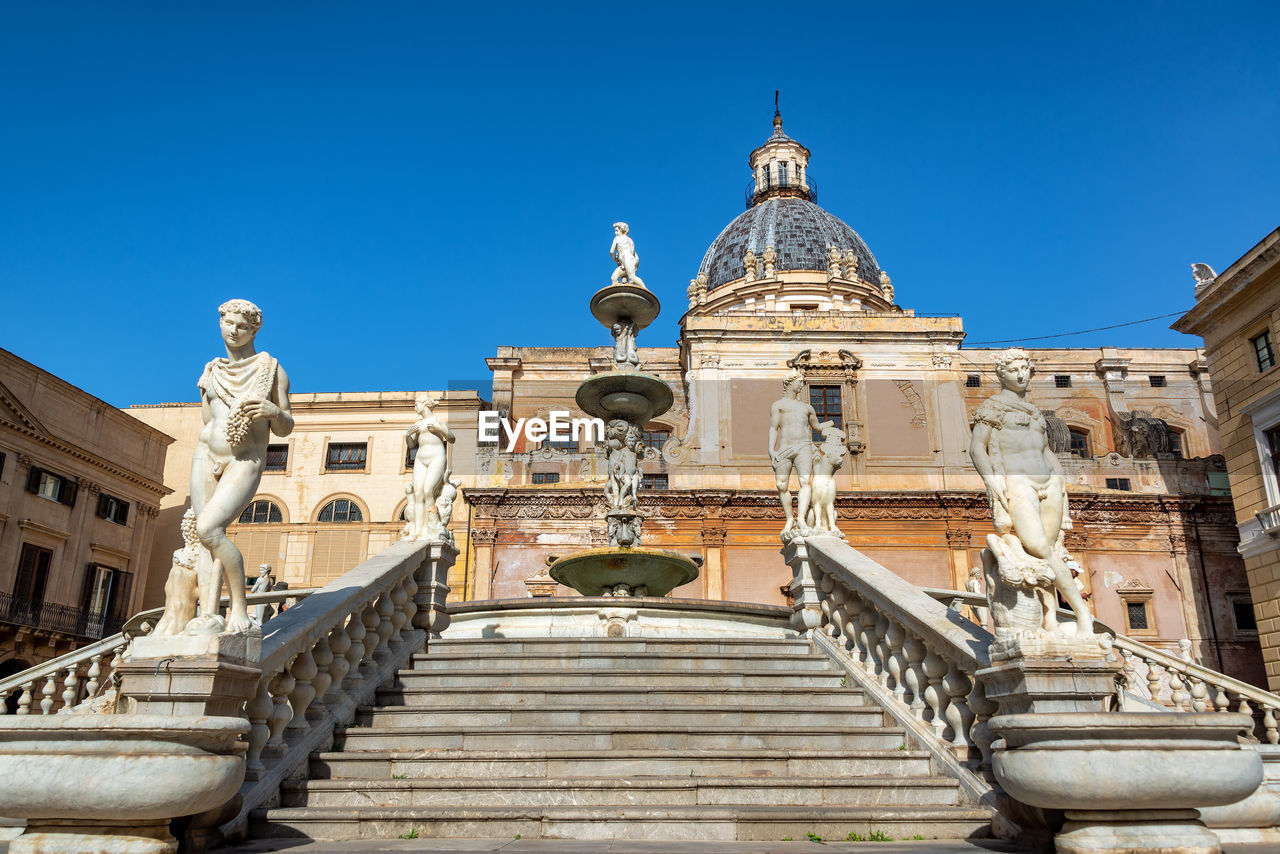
(1090, 647)
(1051, 684)
(432, 579)
(191, 675)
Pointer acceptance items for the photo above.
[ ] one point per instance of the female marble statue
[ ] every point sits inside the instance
(1025, 485)
(432, 439)
(244, 399)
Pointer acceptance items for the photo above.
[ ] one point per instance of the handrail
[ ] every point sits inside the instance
(1188, 683)
(84, 667)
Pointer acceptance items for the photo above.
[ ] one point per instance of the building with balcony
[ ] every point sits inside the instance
(80, 487)
(1238, 314)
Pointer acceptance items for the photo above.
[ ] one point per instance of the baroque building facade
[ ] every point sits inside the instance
(1238, 315)
(80, 488)
(789, 286)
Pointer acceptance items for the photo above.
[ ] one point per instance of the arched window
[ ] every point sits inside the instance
(1080, 446)
(341, 510)
(260, 512)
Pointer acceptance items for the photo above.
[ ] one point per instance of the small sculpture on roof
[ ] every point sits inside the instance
(1204, 276)
(886, 286)
(770, 258)
(850, 265)
(833, 263)
(751, 265)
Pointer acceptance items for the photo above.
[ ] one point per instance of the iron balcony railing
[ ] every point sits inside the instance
(23, 611)
(801, 185)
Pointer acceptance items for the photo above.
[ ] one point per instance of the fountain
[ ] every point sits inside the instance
(625, 398)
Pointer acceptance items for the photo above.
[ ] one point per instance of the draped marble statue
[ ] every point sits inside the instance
(623, 253)
(244, 399)
(432, 438)
(1026, 559)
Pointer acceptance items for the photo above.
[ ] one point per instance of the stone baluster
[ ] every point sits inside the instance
(867, 640)
(279, 687)
(1221, 702)
(982, 708)
(835, 625)
(935, 668)
(411, 603)
(95, 677)
(340, 646)
(913, 650)
(304, 671)
(1270, 732)
(70, 688)
(1244, 708)
(4, 703)
(1153, 681)
(24, 701)
(398, 598)
(853, 625)
(894, 637)
(258, 711)
(369, 616)
(356, 635)
(1199, 694)
(1177, 695)
(322, 655)
(882, 650)
(957, 684)
(47, 694)
(385, 608)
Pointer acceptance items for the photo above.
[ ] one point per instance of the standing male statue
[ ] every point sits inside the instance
(791, 425)
(1025, 484)
(623, 252)
(244, 398)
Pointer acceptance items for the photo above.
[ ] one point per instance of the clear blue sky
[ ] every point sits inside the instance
(405, 186)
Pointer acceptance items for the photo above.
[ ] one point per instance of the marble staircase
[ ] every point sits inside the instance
(622, 738)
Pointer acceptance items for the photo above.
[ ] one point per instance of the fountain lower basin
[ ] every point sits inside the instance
(598, 572)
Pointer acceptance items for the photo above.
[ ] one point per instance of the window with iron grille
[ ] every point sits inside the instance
(261, 512)
(346, 456)
(1080, 445)
(341, 510)
(1263, 351)
(52, 486)
(1062, 380)
(973, 381)
(277, 457)
(1156, 380)
(540, 477)
(1136, 616)
(826, 405)
(113, 509)
(655, 436)
(1120, 483)
(655, 481)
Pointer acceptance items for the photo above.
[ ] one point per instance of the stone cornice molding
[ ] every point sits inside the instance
(159, 489)
(36, 527)
(1230, 287)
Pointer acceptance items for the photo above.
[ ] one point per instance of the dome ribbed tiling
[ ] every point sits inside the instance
(799, 232)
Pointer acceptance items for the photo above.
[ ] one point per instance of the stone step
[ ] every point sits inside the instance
(623, 714)
(594, 696)
(687, 823)
(662, 646)
(770, 680)
(637, 791)
(616, 764)
(540, 662)
(609, 738)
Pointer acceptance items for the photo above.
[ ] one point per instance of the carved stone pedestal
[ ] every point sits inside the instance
(191, 675)
(433, 586)
(1065, 684)
(1125, 831)
(806, 603)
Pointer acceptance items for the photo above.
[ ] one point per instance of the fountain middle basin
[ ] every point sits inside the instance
(597, 572)
(624, 394)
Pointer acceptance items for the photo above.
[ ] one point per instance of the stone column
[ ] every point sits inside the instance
(485, 539)
(958, 540)
(713, 535)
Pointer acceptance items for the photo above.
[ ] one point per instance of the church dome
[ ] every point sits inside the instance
(797, 229)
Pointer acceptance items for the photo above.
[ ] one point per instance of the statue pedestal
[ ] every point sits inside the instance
(432, 579)
(191, 675)
(1066, 683)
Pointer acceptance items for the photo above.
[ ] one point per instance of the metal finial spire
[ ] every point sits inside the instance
(777, 113)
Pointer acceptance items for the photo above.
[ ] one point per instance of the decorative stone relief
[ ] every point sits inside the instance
(912, 399)
(942, 361)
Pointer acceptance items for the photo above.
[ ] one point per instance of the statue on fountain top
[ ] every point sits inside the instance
(244, 399)
(623, 252)
(1028, 496)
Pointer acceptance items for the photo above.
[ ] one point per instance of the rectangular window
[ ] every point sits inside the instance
(1156, 380)
(1273, 446)
(1, 464)
(1136, 615)
(655, 437)
(1177, 443)
(33, 573)
(569, 445)
(113, 509)
(973, 381)
(1219, 483)
(1062, 380)
(54, 487)
(1121, 483)
(826, 404)
(346, 456)
(277, 457)
(539, 477)
(410, 454)
(1242, 610)
(1263, 351)
(655, 481)
(1080, 443)
(104, 599)
(782, 175)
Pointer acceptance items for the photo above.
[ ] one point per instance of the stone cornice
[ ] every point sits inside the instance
(1230, 286)
(80, 454)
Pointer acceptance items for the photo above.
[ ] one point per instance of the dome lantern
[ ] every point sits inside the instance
(780, 169)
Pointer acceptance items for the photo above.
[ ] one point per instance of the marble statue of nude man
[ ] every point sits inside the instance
(623, 252)
(244, 399)
(791, 425)
(1024, 481)
(430, 464)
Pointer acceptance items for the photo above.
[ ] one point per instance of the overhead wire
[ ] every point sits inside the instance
(1080, 332)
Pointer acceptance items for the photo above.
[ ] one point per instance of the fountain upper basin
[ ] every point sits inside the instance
(624, 302)
(595, 571)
